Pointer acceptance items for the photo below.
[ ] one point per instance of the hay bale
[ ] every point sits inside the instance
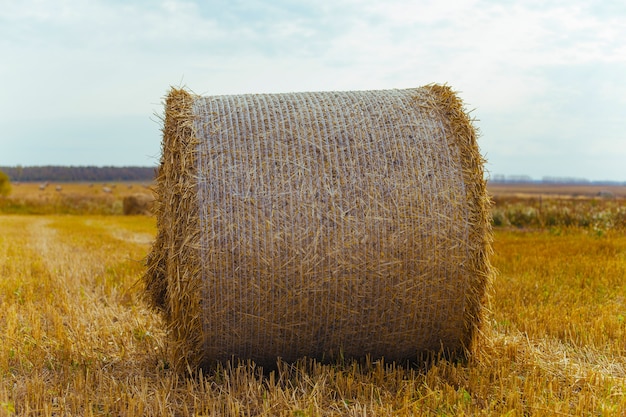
(319, 225)
(138, 204)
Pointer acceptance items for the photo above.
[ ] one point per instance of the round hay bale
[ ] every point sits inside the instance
(320, 225)
(138, 204)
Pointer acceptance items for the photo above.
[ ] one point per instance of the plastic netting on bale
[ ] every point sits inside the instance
(320, 224)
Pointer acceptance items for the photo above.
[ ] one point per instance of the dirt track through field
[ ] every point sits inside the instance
(78, 311)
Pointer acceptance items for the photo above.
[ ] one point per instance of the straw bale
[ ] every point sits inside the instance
(325, 225)
(138, 204)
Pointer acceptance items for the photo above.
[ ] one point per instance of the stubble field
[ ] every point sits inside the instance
(77, 339)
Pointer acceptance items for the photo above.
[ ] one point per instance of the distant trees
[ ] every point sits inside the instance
(79, 173)
(5, 184)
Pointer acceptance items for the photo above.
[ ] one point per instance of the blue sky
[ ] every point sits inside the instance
(83, 81)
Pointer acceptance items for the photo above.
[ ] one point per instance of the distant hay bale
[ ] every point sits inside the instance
(138, 204)
(325, 225)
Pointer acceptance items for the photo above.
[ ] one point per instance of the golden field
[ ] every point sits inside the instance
(70, 198)
(77, 339)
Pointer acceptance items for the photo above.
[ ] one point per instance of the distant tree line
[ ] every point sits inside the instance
(525, 179)
(78, 173)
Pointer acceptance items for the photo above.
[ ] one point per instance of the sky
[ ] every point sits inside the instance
(82, 82)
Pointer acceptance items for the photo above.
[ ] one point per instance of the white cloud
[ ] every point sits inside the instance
(542, 76)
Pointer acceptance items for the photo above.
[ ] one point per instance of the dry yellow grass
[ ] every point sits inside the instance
(36, 189)
(71, 198)
(75, 338)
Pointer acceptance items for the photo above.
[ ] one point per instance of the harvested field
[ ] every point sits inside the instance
(547, 190)
(76, 338)
(72, 198)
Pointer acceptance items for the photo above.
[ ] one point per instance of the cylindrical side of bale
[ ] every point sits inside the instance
(319, 225)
